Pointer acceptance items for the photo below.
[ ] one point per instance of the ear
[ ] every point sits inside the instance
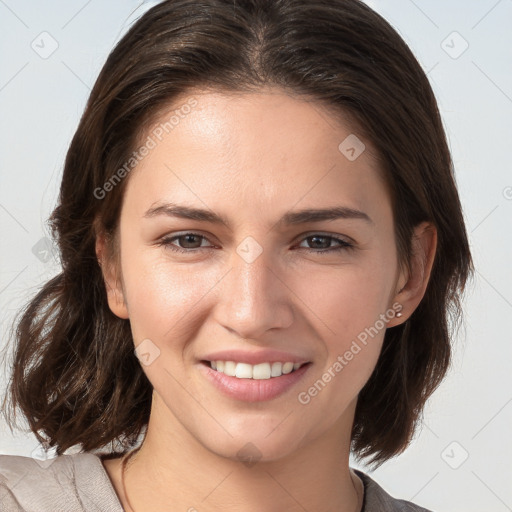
(113, 285)
(411, 286)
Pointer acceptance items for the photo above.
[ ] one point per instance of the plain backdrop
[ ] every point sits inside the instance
(51, 53)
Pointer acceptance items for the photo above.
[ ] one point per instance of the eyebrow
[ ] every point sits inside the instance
(289, 218)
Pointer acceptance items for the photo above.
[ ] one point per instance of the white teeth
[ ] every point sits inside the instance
(243, 371)
(287, 367)
(277, 369)
(230, 368)
(260, 371)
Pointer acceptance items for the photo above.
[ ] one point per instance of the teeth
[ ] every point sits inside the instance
(276, 370)
(243, 370)
(230, 368)
(287, 367)
(260, 371)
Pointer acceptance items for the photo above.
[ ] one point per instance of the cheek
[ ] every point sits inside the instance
(350, 312)
(352, 352)
(163, 298)
(343, 301)
(329, 393)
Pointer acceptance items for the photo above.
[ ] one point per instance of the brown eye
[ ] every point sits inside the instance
(187, 242)
(321, 244)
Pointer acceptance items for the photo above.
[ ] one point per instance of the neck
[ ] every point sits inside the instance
(173, 468)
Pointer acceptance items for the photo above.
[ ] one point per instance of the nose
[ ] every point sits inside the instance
(254, 297)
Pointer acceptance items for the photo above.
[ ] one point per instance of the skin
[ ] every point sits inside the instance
(253, 157)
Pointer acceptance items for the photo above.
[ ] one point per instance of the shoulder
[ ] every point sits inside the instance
(376, 499)
(75, 482)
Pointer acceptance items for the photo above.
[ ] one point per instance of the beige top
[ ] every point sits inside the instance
(80, 483)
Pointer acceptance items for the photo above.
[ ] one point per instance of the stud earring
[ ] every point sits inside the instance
(399, 314)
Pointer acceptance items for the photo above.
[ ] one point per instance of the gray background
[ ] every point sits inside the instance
(461, 458)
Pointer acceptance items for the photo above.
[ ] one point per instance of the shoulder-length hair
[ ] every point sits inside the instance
(75, 375)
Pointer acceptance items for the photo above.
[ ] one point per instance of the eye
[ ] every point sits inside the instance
(192, 242)
(187, 239)
(322, 243)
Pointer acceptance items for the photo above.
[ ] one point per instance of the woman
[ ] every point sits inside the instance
(261, 242)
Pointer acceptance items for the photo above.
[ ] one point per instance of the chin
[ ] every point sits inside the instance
(253, 445)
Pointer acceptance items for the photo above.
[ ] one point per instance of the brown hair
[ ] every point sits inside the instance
(75, 375)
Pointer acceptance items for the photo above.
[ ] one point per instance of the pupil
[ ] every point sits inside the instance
(187, 238)
(316, 238)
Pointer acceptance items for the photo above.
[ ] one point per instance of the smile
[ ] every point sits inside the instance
(254, 371)
(253, 383)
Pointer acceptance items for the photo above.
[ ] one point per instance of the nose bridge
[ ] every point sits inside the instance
(253, 280)
(254, 299)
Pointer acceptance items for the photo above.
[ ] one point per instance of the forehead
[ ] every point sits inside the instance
(261, 150)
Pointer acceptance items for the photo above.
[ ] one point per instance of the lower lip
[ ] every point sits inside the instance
(253, 390)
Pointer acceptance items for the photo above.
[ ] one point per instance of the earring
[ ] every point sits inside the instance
(399, 314)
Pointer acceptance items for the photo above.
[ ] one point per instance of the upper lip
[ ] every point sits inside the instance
(261, 356)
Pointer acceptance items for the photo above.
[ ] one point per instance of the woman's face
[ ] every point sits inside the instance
(270, 284)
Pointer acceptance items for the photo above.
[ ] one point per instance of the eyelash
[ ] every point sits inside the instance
(344, 245)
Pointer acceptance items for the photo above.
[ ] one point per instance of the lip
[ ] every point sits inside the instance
(252, 390)
(261, 356)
